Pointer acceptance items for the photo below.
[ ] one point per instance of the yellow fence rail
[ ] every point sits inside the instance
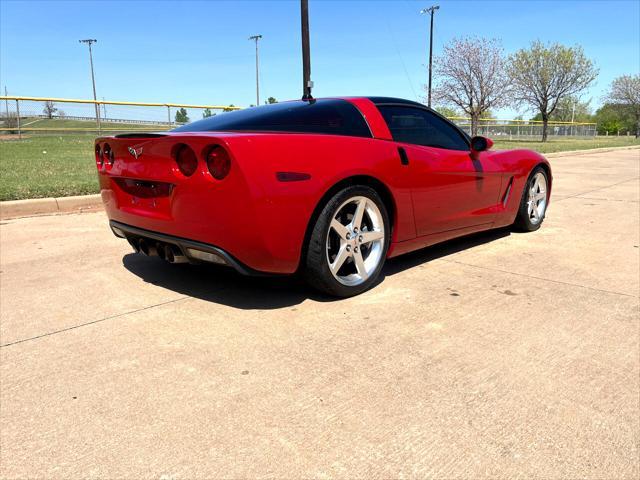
(90, 115)
(118, 102)
(45, 114)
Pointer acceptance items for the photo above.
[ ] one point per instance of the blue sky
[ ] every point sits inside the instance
(198, 52)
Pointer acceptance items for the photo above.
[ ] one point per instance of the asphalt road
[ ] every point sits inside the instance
(500, 355)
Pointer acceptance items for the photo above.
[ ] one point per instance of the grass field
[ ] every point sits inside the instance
(44, 123)
(564, 144)
(63, 165)
(47, 166)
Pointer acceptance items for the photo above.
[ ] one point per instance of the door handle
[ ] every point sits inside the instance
(404, 160)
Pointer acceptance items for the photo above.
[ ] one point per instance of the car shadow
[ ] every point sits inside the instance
(225, 286)
(424, 255)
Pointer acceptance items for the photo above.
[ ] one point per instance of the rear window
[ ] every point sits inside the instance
(328, 116)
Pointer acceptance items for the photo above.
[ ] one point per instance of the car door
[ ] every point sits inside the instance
(450, 189)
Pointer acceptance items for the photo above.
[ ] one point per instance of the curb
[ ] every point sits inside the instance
(589, 151)
(48, 206)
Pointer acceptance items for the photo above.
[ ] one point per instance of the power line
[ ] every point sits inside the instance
(406, 72)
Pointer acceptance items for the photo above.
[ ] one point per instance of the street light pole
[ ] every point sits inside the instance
(307, 84)
(431, 10)
(256, 38)
(90, 41)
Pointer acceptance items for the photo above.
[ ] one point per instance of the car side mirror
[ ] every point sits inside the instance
(480, 144)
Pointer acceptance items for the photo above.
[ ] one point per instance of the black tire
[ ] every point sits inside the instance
(316, 266)
(523, 222)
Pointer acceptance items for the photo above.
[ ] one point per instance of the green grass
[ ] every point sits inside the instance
(47, 166)
(84, 124)
(563, 144)
(68, 166)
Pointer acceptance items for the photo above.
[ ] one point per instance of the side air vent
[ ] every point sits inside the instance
(507, 193)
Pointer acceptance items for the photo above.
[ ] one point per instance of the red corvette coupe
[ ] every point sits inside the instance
(329, 187)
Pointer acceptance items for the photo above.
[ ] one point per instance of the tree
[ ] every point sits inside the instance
(228, 109)
(471, 73)
(541, 76)
(625, 91)
(448, 112)
(613, 119)
(207, 113)
(181, 116)
(270, 101)
(11, 121)
(570, 108)
(49, 109)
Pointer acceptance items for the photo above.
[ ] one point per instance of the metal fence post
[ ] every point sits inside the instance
(97, 107)
(18, 117)
(169, 115)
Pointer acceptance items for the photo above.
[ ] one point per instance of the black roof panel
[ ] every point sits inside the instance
(402, 101)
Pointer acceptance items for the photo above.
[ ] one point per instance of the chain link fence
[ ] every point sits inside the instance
(526, 129)
(34, 116)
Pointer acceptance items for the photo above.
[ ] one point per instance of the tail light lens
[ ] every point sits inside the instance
(186, 160)
(218, 162)
(99, 160)
(107, 154)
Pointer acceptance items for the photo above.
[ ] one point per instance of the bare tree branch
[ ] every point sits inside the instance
(471, 76)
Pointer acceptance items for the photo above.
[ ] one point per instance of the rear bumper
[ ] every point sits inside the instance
(186, 246)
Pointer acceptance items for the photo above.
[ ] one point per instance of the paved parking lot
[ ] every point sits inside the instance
(501, 355)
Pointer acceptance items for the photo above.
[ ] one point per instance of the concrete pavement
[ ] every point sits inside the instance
(500, 355)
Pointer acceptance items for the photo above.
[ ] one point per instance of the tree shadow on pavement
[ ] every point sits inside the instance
(225, 286)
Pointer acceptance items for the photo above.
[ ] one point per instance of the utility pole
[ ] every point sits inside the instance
(90, 41)
(256, 38)
(307, 84)
(431, 10)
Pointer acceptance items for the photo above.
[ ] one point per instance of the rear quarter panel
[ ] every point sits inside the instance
(284, 209)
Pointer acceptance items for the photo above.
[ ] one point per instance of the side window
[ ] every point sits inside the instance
(421, 127)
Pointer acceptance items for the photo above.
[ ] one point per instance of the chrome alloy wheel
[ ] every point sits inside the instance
(355, 241)
(537, 198)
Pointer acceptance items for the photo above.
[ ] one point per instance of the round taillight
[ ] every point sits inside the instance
(99, 160)
(107, 154)
(186, 160)
(218, 162)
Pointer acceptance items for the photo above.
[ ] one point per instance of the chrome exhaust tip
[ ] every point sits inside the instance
(147, 248)
(174, 255)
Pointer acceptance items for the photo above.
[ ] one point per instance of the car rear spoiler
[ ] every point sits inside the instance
(141, 135)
